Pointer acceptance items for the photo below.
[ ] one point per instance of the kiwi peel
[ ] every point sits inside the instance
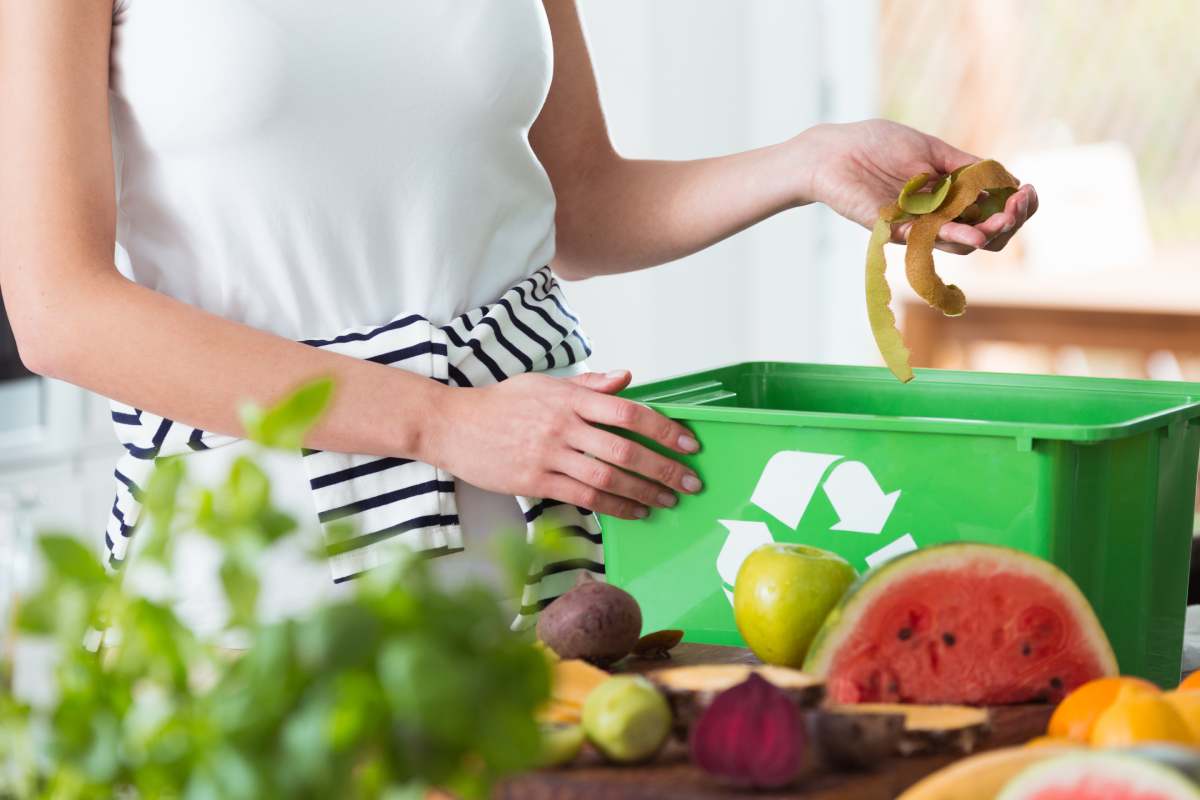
(969, 195)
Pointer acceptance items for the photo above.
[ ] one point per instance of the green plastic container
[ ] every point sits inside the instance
(1096, 475)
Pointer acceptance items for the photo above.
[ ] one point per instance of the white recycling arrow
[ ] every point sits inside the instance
(898, 547)
(788, 482)
(744, 537)
(860, 503)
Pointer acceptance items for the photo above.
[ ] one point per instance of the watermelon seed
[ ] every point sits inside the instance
(949, 639)
(1026, 650)
(1056, 683)
(905, 634)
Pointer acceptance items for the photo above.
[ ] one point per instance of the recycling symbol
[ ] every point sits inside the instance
(785, 489)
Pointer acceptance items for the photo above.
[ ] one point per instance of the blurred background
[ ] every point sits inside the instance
(1100, 114)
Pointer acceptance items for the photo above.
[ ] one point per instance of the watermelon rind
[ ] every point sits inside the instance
(1145, 778)
(858, 599)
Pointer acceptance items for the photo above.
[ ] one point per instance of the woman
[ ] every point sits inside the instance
(291, 183)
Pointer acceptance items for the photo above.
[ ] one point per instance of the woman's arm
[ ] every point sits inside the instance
(76, 318)
(618, 215)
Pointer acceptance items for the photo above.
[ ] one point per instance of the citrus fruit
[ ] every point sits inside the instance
(1050, 741)
(782, 594)
(1075, 715)
(1191, 681)
(1187, 703)
(1136, 717)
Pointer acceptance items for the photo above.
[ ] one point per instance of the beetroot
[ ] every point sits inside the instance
(751, 735)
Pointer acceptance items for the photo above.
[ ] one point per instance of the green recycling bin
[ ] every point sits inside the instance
(1095, 475)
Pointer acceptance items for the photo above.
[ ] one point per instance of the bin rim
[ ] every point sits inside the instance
(1184, 398)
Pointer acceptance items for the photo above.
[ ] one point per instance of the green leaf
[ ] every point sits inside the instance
(162, 489)
(38, 613)
(234, 774)
(69, 558)
(285, 424)
(102, 759)
(161, 501)
(247, 490)
(241, 589)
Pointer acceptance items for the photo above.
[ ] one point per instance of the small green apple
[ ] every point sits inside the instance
(627, 718)
(782, 594)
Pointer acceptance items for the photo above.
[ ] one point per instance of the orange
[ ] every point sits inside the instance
(1137, 717)
(1050, 741)
(1187, 703)
(1191, 681)
(1075, 715)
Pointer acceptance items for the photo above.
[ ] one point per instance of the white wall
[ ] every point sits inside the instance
(691, 78)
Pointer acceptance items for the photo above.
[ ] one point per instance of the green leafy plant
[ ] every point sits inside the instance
(402, 686)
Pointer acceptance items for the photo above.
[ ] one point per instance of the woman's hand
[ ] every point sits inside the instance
(858, 168)
(535, 435)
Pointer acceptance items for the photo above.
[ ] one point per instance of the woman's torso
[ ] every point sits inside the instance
(306, 166)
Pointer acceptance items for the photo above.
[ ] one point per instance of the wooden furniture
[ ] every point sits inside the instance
(1144, 311)
(671, 777)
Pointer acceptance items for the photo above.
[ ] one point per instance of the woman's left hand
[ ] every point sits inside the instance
(860, 167)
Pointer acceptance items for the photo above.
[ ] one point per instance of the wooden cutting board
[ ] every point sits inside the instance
(671, 777)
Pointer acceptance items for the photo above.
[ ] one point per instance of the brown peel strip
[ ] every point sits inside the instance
(918, 258)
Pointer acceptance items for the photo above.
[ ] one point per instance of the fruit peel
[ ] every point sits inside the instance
(965, 189)
(969, 194)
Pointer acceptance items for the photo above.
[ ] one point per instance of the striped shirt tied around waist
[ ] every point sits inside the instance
(396, 504)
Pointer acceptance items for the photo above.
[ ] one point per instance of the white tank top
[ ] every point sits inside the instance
(305, 166)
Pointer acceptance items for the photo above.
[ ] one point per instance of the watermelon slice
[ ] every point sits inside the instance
(960, 623)
(1099, 776)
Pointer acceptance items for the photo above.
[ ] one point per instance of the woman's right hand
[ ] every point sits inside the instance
(536, 436)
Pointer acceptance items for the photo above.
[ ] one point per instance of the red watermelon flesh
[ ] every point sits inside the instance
(961, 623)
(1099, 776)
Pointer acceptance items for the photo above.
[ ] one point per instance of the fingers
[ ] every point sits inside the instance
(1003, 226)
(606, 382)
(994, 232)
(965, 236)
(577, 493)
(947, 158)
(617, 482)
(631, 456)
(621, 413)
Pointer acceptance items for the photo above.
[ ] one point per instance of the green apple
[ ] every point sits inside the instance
(782, 594)
(626, 718)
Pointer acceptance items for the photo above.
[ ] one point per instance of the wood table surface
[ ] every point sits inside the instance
(671, 777)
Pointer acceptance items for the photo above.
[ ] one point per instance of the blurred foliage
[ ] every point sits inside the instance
(402, 686)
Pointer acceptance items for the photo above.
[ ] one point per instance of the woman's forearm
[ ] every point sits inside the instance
(632, 214)
(143, 348)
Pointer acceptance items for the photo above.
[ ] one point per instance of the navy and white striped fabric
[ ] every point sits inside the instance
(396, 504)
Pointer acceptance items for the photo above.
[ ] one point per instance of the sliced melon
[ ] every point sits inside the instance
(960, 623)
(982, 776)
(1099, 776)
